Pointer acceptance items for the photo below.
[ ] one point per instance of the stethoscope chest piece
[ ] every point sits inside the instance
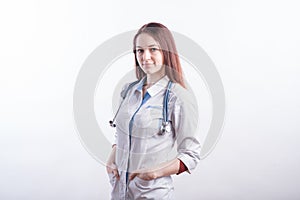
(165, 128)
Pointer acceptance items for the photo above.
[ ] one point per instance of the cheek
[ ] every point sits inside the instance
(161, 58)
(161, 61)
(138, 60)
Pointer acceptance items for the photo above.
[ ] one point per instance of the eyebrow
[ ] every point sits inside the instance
(152, 45)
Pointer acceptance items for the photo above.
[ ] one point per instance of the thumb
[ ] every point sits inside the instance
(116, 174)
(131, 176)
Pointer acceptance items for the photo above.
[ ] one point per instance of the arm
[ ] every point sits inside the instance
(110, 164)
(165, 169)
(184, 122)
(185, 117)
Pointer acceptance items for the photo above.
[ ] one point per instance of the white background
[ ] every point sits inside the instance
(254, 44)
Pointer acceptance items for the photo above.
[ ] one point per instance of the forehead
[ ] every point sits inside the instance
(145, 40)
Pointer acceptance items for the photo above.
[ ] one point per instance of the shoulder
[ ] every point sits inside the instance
(183, 103)
(130, 86)
(182, 95)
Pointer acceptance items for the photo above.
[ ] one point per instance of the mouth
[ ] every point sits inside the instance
(148, 65)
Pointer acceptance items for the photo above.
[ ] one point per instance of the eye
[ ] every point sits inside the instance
(139, 51)
(154, 49)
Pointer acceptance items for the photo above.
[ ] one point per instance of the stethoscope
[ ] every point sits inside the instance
(165, 126)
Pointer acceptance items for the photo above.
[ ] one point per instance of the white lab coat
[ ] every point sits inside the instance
(139, 146)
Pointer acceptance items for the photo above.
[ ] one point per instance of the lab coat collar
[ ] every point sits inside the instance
(140, 84)
(158, 86)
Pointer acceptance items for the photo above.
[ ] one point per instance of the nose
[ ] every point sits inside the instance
(146, 55)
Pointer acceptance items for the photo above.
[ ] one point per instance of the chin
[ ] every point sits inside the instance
(148, 71)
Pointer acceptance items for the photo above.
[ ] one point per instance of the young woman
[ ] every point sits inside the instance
(157, 114)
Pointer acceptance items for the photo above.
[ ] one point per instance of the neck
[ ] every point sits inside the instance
(153, 78)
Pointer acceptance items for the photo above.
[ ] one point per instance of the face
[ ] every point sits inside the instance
(149, 55)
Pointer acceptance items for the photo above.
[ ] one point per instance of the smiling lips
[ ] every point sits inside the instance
(148, 64)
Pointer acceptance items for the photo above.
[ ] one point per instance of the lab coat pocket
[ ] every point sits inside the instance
(112, 179)
(143, 184)
(156, 115)
(148, 118)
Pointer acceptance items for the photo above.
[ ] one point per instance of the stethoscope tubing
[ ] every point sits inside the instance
(165, 122)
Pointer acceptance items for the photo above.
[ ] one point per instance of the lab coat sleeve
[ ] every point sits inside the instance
(122, 95)
(185, 124)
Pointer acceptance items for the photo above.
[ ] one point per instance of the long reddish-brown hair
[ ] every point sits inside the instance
(164, 37)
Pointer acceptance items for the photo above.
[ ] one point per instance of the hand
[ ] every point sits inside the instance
(111, 168)
(164, 169)
(145, 174)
